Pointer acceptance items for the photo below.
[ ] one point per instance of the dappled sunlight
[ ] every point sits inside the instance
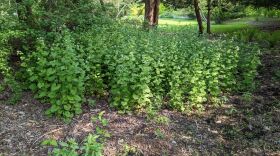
(177, 22)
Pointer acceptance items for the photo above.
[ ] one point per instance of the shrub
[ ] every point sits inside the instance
(261, 12)
(56, 74)
(226, 11)
(8, 80)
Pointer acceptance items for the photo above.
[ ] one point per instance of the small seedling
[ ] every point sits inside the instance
(151, 113)
(163, 120)
(100, 119)
(128, 150)
(159, 134)
(104, 122)
(49, 142)
(92, 144)
(68, 148)
(247, 97)
(231, 111)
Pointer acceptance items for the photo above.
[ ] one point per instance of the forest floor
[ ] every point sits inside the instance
(248, 124)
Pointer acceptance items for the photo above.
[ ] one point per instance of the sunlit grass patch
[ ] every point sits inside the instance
(227, 28)
(176, 22)
(230, 26)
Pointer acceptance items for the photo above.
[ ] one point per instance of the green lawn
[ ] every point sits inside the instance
(176, 22)
(240, 27)
(229, 26)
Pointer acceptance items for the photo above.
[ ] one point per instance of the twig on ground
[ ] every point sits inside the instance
(55, 130)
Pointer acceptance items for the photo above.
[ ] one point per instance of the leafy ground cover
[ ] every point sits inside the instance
(137, 68)
(247, 124)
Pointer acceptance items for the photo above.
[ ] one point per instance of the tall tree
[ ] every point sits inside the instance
(209, 16)
(198, 16)
(151, 13)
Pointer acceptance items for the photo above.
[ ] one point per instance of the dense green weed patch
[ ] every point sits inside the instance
(171, 68)
(140, 68)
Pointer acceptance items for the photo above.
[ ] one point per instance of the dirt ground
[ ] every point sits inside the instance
(245, 125)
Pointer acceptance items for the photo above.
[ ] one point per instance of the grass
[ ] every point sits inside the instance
(229, 26)
(176, 22)
(239, 26)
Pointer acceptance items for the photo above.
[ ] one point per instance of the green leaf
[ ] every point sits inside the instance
(67, 107)
(42, 94)
(40, 84)
(55, 87)
(104, 122)
(49, 142)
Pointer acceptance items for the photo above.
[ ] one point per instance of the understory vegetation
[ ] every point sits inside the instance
(124, 77)
(135, 67)
(62, 64)
(93, 144)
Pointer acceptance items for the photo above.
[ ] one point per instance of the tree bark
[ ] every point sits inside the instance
(151, 13)
(198, 16)
(209, 16)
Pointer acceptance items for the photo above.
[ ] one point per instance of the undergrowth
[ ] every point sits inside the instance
(92, 145)
(137, 68)
(171, 67)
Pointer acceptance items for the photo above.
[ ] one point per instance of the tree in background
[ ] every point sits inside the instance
(209, 16)
(177, 3)
(198, 16)
(151, 13)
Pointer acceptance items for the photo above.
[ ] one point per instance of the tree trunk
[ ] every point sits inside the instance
(198, 16)
(151, 13)
(209, 16)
